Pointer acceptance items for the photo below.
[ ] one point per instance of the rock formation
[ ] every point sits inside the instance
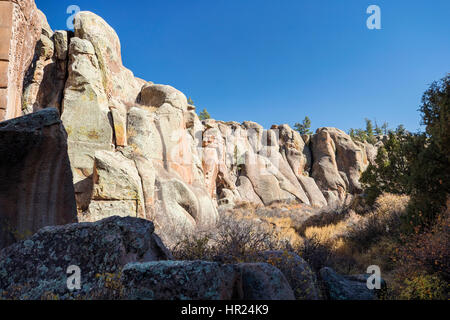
(139, 149)
(36, 188)
(20, 28)
(130, 159)
(125, 255)
(39, 265)
(352, 287)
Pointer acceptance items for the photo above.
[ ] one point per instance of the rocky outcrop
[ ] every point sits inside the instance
(139, 149)
(45, 79)
(122, 258)
(20, 28)
(297, 272)
(347, 287)
(85, 115)
(181, 280)
(261, 281)
(119, 83)
(36, 187)
(338, 163)
(37, 267)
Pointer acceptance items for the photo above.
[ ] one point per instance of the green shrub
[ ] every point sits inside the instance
(424, 287)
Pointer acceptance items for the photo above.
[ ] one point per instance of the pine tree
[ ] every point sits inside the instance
(204, 115)
(385, 128)
(378, 129)
(304, 127)
(370, 131)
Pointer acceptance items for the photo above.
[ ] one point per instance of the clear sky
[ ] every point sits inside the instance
(276, 61)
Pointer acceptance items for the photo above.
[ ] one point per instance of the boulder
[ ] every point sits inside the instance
(155, 95)
(115, 179)
(261, 281)
(180, 280)
(36, 188)
(297, 272)
(201, 280)
(345, 287)
(34, 268)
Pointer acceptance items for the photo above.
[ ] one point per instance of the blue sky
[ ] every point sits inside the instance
(276, 61)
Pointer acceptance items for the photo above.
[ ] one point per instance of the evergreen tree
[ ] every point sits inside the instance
(385, 128)
(378, 129)
(304, 127)
(417, 164)
(204, 115)
(370, 131)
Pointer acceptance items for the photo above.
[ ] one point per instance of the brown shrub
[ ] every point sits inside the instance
(384, 220)
(236, 239)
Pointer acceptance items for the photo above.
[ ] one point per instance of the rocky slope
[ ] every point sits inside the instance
(139, 149)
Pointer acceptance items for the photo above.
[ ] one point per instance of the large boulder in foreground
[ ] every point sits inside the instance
(33, 268)
(202, 280)
(346, 287)
(180, 280)
(297, 272)
(122, 258)
(36, 187)
(262, 281)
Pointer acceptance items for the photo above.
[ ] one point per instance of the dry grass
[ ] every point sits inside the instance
(348, 239)
(236, 238)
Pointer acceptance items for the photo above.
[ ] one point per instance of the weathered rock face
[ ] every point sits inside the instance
(261, 281)
(85, 114)
(36, 187)
(138, 149)
(20, 29)
(117, 188)
(32, 268)
(201, 280)
(347, 287)
(338, 163)
(181, 280)
(297, 272)
(122, 258)
(119, 83)
(45, 79)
